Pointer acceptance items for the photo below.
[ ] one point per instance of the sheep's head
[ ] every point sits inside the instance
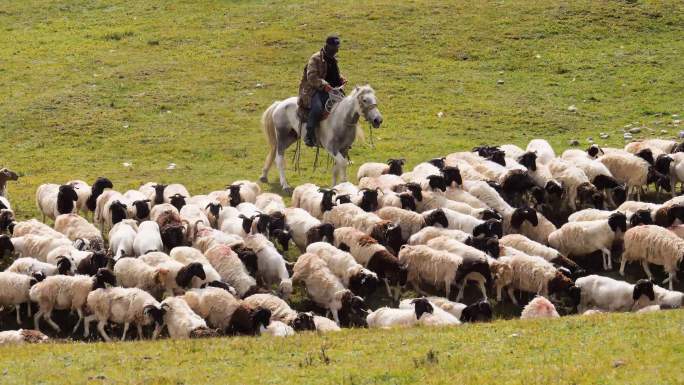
(173, 235)
(93, 263)
(489, 245)
(553, 188)
(103, 277)
(489, 228)
(575, 294)
(661, 180)
(559, 283)
(37, 276)
(663, 164)
(436, 182)
(283, 237)
(529, 160)
(485, 151)
(408, 202)
(234, 193)
(66, 198)
(524, 214)
(327, 198)
(675, 212)
(63, 265)
(498, 157)
(619, 194)
(343, 198)
(363, 283)
(155, 314)
(617, 222)
(214, 209)
(643, 287)
(437, 162)
(159, 193)
(6, 246)
(7, 175)
(142, 209)
(422, 306)
(594, 151)
(261, 318)
(353, 310)
(517, 182)
(396, 166)
(277, 222)
(678, 148)
(437, 217)
(246, 223)
(496, 186)
(303, 321)
(186, 273)
(641, 217)
(452, 175)
(100, 184)
(603, 182)
(487, 214)
(248, 258)
(6, 220)
(647, 155)
(369, 200)
(118, 211)
(415, 190)
(177, 201)
(538, 195)
(263, 223)
(477, 312)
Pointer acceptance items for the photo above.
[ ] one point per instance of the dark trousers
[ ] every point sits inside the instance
(318, 101)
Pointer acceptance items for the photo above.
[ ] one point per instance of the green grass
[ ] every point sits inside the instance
(88, 85)
(603, 349)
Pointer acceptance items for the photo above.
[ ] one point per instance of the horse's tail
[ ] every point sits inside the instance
(268, 126)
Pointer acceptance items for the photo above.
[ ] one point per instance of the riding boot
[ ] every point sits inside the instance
(310, 138)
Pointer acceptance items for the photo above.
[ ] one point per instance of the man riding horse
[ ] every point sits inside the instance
(321, 75)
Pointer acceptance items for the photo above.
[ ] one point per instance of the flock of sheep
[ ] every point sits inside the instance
(502, 218)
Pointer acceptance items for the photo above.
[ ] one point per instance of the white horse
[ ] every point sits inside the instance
(335, 134)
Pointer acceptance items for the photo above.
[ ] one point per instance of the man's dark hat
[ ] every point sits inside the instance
(332, 40)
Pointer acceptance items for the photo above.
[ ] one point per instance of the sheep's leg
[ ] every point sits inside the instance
(123, 336)
(448, 289)
(607, 260)
(28, 308)
(498, 293)
(671, 278)
(101, 329)
(397, 294)
(86, 324)
(387, 286)
(483, 289)
(647, 269)
(511, 295)
(18, 307)
(78, 322)
(623, 263)
(48, 318)
(461, 289)
(36, 320)
(140, 332)
(336, 317)
(155, 333)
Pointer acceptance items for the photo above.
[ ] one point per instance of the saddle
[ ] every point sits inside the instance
(303, 114)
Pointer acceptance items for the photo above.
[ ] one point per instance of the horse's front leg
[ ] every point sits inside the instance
(339, 173)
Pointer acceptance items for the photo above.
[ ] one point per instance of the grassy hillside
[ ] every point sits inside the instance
(615, 349)
(88, 85)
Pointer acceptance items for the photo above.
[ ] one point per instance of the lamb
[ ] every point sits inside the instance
(76, 227)
(530, 247)
(231, 269)
(67, 293)
(132, 272)
(213, 304)
(147, 239)
(28, 266)
(180, 276)
(531, 274)
(53, 200)
(478, 311)
(325, 289)
(370, 169)
(122, 239)
(305, 228)
(35, 227)
(539, 307)
(369, 253)
(35, 246)
(281, 311)
(582, 238)
(83, 191)
(653, 244)
(140, 205)
(271, 265)
(22, 336)
(313, 199)
(123, 306)
(607, 294)
(181, 321)
(15, 289)
(353, 275)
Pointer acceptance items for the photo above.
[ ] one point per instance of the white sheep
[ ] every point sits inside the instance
(147, 239)
(214, 304)
(271, 264)
(418, 312)
(531, 247)
(269, 203)
(15, 288)
(412, 222)
(194, 214)
(207, 238)
(122, 239)
(161, 208)
(607, 294)
(180, 275)
(180, 320)
(305, 228)
(187, 255)
(140, 205)
(132, 272)
(543, 150)
(231, 269)
(353, 275)
(628, 169)
(373, 169)
(28, 266)
(539, 307)
(653, 244)
(123, 306)
(429, 232)
(325, 325)
(62, 292)
(281, 311)
(582, 238)
(37, 246)
(53, 200)
(478, 311)
(313, 199)
(111, 207)
(35, 227)
(668, 297)
(425, 264)
(76, 227)
(22, 336)
(175, 189)
(83, 191)
(385, 182)
(531, 274)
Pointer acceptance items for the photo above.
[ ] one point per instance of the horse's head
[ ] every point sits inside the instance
(368, 104)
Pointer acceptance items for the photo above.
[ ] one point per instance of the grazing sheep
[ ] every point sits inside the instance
(530, 247)
(35, 246)
(539, 307)
(63, 292)
(122, 239)
(207, 238)
(111, 208)
(653, 244)
(383, 231)
(633, 171)
(531, 274)
(281, 311)
(175, 189)
(477, 312)
(472, 225)
(269, 203)
(193, 215)
(243, 191)
(305, 228)
(180, 275)
(543, 149)
(385, 182)
(353, 275)
(325, 289)
(123, 306)
(28, 266)
(76, 227)
(15, 289)
(420, 311)
(249, 320)
(213, 304)
(100, 185)
(607, 294)
(423, 236)
(35, 227)
(173, 229)
(271, 264)
(147, 239)
(162, 209)
(412, 222)
(313, 199)
(22, 336)
(132, 272)
(53, 200)
(181, 321)
(370, 169)
(576, 185)
(187, 255)
(583, 238)
(529, 222)
(154, 192)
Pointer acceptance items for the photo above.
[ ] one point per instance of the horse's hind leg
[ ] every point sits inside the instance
(282, 145)
(267, 165)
